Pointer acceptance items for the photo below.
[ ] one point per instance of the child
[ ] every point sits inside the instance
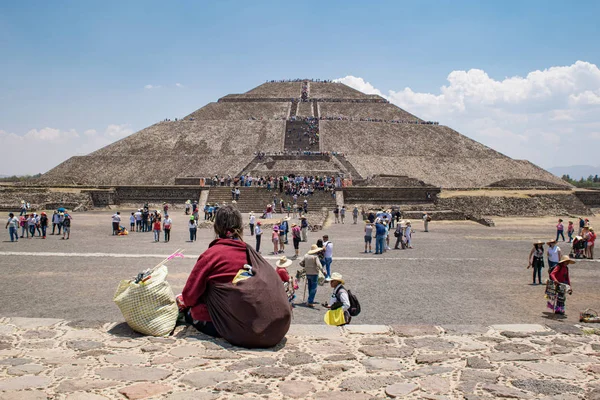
(570, 231)
(132, 222)
(156, 230)
(275, 239)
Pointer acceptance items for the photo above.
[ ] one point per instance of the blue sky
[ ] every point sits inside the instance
(71, 67)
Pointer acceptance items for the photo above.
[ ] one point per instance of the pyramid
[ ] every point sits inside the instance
(223, 138)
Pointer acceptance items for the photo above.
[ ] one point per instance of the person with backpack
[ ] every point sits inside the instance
(399, 234)
(342, 298)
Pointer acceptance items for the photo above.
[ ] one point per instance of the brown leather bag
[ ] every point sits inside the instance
(255, 312)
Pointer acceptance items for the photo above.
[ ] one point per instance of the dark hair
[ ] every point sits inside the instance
(11, 215)
(229, 223)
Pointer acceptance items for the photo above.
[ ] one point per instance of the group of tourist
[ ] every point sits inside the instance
(32, 223)
(389, 121)
(583, 242)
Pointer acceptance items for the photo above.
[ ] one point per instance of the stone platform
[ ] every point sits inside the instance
(57, 359)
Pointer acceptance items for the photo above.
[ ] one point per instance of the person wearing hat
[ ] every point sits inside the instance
(167, 225)
(275, 239)
(282, 264)
(562, 285)
(554, 254)
(296, 236)
(536, 260)
(66, 224)
(339, 297)
(252, 222)
(304, 227)
(258, 234)
(193, 226)
(380, 233)
(312, 266)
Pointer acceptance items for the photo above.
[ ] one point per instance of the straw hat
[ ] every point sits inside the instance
(286, 218)
(294, 224)
(407, 222)
(303, 217)
(283, 262)
(538, 242)
(251, 212)
(336, 276)
(566, 260)
(314, 249)
(551, 241)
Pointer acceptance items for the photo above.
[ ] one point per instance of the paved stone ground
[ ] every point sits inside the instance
(56, 359)
(459, 273)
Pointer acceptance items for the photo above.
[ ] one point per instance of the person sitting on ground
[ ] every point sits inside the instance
(339, 297)
(218, 278)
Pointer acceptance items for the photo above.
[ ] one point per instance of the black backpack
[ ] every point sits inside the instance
(354, 309)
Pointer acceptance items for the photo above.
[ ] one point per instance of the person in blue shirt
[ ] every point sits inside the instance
(380, 235)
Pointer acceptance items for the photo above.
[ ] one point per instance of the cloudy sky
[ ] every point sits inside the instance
(521, 77)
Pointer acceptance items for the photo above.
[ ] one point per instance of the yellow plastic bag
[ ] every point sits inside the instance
(148, 307)
(335, 317)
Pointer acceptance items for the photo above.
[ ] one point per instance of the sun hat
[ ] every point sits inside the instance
(408, 222)
(192, 218)
(275, 228)
(551, 241)
(251, 212)
(283, 262)
(538, 242)
(336, 276)
(314, 249)
(566, 260)
(294, 224)
(258, 223)
(302, 217)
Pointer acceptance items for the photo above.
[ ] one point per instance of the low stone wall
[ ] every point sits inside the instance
(590, 198)
(535, 205)
(42, 199)
(145, 194)
(389, 195)
(529, 184)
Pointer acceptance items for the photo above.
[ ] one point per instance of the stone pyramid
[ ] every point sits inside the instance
(376, 138)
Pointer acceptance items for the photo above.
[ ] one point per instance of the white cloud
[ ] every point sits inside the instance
(541, 116)
(179, 85)
(48, 147)
(151, 86)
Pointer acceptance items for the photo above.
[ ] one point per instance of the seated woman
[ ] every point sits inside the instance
(234, 293)
(219, 263)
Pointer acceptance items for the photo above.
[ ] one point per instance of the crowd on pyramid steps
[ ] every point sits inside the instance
(261, 155)
(389, 121)
(300, 80)
(308, 131)
(291, 184)
(304, 95)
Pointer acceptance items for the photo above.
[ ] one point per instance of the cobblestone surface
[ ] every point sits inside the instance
(314, 362)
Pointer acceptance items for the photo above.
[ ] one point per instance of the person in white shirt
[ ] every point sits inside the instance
(56, 222)
(193, 226)
(132, 222)
(167, 224)
(426, 222)
(252, 222)
(339, 297)
(554, 255)
(13, 227)
(116, 220)
(328, 255)
(138, 221)
(258, 232)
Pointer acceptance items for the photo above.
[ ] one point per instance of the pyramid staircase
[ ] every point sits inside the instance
(255, 198)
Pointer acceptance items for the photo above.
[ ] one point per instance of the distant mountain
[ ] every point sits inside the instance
(575, 171)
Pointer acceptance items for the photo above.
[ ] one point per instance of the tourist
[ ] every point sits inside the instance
(23, 209)
(252, 222)
(146, 226)
(426, 219)
(132, 222)
(369, 237)
(205, 209)
(570, 231)
(399, 234)
(43, 224)
(275, 239)
(193, 227)
(581, 225)
(305, 206)
(339, 297)
(408, 234)
(168, 222)
(283, 230)
(156, 229)
(380, 233)
(232, 193)
(116, 221)
(303, 227)
(165, 208)
(559, 230)
(371, 217)
(343, 214)
(536, 260)
(209, 288)
(312, 266)
(328, 254)
(336, 214)
(237, 194)
(269, 211)
(138, 220)
(66, 225)
(554, 254)
(23, 225)
(13, 227)
(355, 215)
(55, 221)
(258, 233)
(281, 268)
(589, 246)
(188, 206)
(31, 221)
(562, 285)
(296, 237)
